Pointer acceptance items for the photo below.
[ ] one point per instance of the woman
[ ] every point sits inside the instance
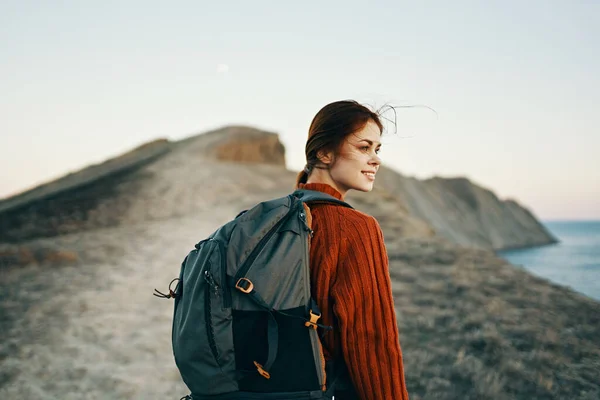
(349, 263)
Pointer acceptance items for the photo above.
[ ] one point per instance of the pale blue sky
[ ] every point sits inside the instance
(515, 84)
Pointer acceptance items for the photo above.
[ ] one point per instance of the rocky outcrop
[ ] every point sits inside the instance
(239, 144)
(465, 213)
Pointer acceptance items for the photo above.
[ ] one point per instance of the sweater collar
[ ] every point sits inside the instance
(322, 187)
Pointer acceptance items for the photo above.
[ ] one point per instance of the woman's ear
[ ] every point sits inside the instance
(325, 157)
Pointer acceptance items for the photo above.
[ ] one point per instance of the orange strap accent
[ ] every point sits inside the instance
(313, 320)
(249, 285)
(261, 371)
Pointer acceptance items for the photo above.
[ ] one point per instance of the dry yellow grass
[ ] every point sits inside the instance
(475, 327)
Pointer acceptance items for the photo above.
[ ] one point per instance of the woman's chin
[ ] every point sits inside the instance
(364, 188)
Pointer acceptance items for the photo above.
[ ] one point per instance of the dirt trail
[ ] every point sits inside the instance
(95, 331)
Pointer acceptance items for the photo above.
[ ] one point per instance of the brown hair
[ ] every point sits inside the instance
(328, 129)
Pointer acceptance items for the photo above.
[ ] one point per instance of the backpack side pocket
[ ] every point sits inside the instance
(202, 328)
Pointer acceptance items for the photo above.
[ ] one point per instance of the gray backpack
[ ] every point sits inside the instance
(245, 325)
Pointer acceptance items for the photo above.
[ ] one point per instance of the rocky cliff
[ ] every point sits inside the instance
(465, 213)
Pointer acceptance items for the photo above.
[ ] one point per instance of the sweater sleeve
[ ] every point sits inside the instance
(364, 306)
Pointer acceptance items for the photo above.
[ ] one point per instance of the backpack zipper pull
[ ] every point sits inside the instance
(211, 281)
(303, 218)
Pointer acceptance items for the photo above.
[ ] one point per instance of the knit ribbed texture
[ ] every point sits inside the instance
(351, 283)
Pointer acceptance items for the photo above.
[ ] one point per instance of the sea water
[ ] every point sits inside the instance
(573, 262)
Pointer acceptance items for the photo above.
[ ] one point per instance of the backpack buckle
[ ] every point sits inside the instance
(261, 371)
(248, 285)
(313, 320)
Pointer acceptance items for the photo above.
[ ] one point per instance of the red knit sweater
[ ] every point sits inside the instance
(351, 284)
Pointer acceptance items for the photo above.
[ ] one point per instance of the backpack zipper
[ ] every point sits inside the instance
(250, 260)
(302, 216)
(225, 287)
(212, 285)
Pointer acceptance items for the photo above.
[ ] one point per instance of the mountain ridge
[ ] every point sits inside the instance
(455, 208)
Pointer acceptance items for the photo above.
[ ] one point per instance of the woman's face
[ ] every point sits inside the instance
(357, 162)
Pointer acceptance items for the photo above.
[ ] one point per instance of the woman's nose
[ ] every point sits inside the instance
(376, 160)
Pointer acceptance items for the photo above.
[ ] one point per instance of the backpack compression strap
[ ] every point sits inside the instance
(314, 196)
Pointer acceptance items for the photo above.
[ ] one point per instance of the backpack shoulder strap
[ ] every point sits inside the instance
(314, 196)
